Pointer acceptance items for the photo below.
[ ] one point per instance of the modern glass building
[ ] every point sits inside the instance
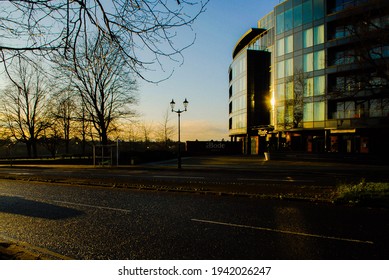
(313, 76)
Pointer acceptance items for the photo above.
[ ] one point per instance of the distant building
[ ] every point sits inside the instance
(313, 76)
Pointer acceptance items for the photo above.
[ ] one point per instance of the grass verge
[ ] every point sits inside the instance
(364, 193)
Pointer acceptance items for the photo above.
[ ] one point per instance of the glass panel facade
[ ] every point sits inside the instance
(308, 112)
(298, 40)
(280, 70)
(318, 9)
(289, 91)
(319, 111)
(239, 103)
(288, 19)
(318, 35)
(319, 85)
(308, 62)
(280, 23)
(308, 87)
(308, 38)
(281, 114)
(298, 15)
(307, 11)
(280, 93)
(289, 44)
(238, 98)
(375, 108)
(280, 47)
(289, 115)
(289, 67)
(319, 60)
(298, 63)
(304, 43)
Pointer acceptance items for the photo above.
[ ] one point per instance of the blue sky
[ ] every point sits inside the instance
(203, 78)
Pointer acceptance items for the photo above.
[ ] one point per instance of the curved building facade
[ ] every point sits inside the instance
(327, 81)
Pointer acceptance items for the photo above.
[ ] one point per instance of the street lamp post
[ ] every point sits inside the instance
(172, 104)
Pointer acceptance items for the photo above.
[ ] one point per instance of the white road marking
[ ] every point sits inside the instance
(284, 231)
(93, 206)
(178, 177)
(275, 180)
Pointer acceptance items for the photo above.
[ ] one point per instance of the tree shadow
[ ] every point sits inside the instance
(31, 208)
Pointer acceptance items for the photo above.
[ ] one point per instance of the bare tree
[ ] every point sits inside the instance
(165, 130)
(24, 105)
(104, 83)
(143, 31)
(146, 130)
(63, 110)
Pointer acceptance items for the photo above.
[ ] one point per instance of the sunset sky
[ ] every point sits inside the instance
(203, 78)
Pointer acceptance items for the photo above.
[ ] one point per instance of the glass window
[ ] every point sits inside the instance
(319, 60)
(318, 9)
(280, 47)
(318, 35)
(239, 121)
(280, 69)
(308, 112)
(339, 32)
(349, 107)
(375, 108)
(308, 87)
(280, 94)
(280, 23)
(280, 114)
(289, 67)
(308, 62)
(297, 41)
(307, 11)
(298, 63)
(318, 111)
(289, 114)
(308, 38)
(298, 15)
(288, 19)
(340, 110)
(289, 44)
(289, 91)
(319, 85)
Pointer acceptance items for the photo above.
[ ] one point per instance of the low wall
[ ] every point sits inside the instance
(213, 147)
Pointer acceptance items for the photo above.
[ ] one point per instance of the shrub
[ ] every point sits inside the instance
(364, 193)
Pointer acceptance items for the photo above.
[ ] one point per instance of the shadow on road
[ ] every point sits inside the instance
(31, 208)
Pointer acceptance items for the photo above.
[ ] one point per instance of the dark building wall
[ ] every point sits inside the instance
(258, 85)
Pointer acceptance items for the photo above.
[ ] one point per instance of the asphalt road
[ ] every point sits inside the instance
(250, 176)
(108, 223)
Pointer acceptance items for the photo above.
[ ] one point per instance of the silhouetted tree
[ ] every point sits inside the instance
(142, 31)
(24, 104)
